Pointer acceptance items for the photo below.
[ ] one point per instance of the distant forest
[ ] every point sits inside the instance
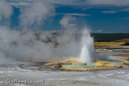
(107, 37)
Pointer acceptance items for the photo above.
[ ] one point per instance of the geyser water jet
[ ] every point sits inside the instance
(87, 48)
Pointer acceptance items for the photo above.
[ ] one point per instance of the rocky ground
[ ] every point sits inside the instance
(15, 76)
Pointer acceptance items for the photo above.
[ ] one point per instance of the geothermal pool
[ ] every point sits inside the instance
(89, 60)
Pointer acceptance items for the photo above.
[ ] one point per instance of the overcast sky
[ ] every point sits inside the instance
(99, 15)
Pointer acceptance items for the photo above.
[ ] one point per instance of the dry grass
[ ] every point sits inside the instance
(108, 43)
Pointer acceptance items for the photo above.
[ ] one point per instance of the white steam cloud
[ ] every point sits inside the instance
(37, 45)
(67, 39)
(69, 29)
(35, 14)
(67, 21)
(25, 46)
(5, 10)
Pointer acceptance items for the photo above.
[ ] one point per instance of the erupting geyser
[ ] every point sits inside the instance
(87, 48)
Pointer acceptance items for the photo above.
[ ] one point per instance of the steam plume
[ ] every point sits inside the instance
(34, 15)
(5, 12)
(37, 45)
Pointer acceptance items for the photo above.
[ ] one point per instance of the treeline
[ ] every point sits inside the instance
(108, 37)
